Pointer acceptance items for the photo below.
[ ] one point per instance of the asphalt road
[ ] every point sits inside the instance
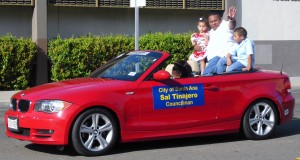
(285, 145)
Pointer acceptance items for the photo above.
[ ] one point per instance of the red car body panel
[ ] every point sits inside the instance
(246, 90)
(226, 98)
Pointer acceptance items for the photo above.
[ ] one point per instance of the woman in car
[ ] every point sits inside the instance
(182, 69)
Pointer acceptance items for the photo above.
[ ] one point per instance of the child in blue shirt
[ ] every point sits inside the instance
(241, 55)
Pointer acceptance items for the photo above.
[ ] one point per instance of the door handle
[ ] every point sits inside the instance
(211, 88)
(129, 93)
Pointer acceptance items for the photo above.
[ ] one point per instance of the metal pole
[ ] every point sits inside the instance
(136, 26)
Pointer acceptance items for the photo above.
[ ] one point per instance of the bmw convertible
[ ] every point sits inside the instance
(132, 98)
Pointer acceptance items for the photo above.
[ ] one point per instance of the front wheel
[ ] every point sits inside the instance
(94, 132)
(260, 120)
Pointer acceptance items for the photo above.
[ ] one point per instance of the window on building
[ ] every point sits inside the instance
(17, 2)
(83, 3)
(159, 4)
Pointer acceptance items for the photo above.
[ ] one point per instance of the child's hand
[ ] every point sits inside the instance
(229, 62)
(193, 34)
(197, 48)
(246, 69)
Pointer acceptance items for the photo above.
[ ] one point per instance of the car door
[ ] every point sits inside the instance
(178, 103)
(235, 95)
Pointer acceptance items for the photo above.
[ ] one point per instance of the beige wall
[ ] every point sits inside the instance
(271, 19)
(16, 20)
(74, 21)
(273, 25)
(68, 21)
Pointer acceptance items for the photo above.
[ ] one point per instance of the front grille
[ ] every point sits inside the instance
(22, 132)
(23, 105)
(13, 104)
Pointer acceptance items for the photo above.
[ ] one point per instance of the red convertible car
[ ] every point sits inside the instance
(132, 99)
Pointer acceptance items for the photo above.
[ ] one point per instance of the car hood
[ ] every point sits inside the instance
(71, 90)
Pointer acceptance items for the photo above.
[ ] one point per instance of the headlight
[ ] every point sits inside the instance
(51, 106)
(13, 104)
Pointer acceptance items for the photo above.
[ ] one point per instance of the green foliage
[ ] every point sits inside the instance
(178, 45)
(78, 57)
(16, 61)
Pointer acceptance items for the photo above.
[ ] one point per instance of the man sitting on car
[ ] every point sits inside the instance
(220, 40)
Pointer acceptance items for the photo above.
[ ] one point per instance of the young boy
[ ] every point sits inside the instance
(241, 56)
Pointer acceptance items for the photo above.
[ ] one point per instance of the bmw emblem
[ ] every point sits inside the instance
(23, 94)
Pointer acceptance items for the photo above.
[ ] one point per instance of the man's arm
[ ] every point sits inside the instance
(232, 24)
(231, 16)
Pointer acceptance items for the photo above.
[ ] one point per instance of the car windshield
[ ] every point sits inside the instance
(128, 66)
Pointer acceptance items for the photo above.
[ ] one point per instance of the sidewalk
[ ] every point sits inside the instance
(295, 83)
(5, 95)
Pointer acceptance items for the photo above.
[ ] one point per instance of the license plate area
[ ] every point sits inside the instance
(13, 123)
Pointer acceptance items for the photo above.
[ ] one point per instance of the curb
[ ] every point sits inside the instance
(5, 96)
(295, 82)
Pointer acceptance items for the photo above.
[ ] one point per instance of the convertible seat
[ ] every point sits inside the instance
(195, 66)
(169, 68)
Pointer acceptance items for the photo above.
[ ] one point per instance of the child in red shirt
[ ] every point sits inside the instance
(199, 41)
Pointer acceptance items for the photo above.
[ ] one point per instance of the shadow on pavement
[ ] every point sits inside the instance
(149, 145)
(174, 143)
(51, 149)
(289, 129)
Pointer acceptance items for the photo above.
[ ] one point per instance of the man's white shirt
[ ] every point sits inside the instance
(220, 41)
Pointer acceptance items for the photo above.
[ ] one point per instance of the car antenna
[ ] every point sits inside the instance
(281, 70)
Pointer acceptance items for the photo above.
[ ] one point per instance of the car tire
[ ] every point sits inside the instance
(260, 120)
(94, 132)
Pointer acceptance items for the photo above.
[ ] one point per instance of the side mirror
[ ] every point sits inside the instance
(161, 75)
